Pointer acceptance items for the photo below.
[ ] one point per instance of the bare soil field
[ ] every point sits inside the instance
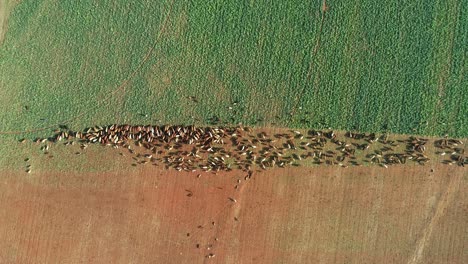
(403, 214)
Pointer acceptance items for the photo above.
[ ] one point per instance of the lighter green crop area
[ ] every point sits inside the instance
(397, 66)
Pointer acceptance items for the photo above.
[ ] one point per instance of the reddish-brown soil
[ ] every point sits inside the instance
(403, 214)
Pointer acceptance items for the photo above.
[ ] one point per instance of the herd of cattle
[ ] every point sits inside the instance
(190, 148)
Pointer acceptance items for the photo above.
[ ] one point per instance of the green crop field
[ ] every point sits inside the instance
(397, 66)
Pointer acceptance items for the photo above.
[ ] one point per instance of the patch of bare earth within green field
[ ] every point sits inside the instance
(3, 18)
(6, 6)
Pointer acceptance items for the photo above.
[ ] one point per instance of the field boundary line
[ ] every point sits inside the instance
(122, 85)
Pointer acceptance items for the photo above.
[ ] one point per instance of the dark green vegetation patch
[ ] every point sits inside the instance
(397, 66)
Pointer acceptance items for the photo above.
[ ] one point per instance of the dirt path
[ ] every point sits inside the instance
(440, 210)
(5, 8)
(2, 19)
